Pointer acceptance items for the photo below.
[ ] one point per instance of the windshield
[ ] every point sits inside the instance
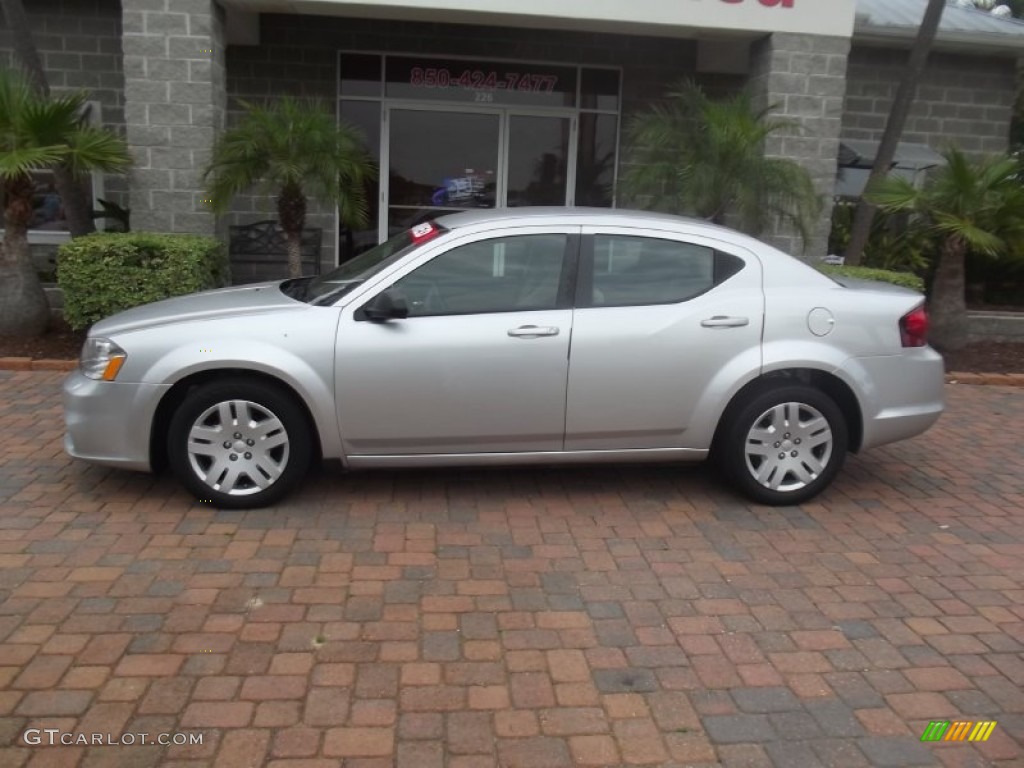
(331, 286)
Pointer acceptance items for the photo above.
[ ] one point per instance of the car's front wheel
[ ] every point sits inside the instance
(784, 445)
(239, 444)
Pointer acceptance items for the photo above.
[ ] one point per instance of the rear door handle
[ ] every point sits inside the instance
(532, 331)
(721, 321)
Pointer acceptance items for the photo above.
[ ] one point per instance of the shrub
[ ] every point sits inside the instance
(896, 242)
(106, 273)
(905, 279)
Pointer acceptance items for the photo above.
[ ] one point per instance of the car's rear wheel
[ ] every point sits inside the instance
(784, 445)
(239, 444)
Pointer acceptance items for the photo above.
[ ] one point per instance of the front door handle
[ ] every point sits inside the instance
(721, 321)
(532, 331)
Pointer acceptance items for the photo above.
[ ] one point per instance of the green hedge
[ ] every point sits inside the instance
(905, 279)
(105, 273)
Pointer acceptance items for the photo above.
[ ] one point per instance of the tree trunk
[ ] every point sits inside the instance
(294, 253)
(291, 214)
(24, 310)
(901, 104)
(77, 209)
(947, 306)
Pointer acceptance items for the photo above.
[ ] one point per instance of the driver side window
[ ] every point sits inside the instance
(505, 274)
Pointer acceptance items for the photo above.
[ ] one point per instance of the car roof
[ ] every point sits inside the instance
(781, 268)
(581, 215)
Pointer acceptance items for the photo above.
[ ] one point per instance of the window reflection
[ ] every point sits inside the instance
(639, 270)
(538, 157)
(595, 160)
(364, 115)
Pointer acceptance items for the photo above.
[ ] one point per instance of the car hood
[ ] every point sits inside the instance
(241, 300)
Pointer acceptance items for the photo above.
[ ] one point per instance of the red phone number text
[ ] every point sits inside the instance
(478, 80)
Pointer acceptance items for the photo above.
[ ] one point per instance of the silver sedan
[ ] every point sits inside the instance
(514, 337)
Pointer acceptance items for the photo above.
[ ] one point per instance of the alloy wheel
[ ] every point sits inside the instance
(238, 447)
(788, 446)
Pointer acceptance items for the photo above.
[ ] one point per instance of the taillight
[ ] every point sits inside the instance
(914, 328)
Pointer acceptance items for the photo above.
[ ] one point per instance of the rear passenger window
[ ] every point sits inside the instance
(645, 270)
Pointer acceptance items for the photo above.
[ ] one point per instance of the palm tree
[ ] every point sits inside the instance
(292, 148)
(39, 133)
(695, 155)
(73, 196)
(898, 112)
(971, 206)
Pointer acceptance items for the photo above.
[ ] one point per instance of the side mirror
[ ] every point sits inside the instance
(386, 305)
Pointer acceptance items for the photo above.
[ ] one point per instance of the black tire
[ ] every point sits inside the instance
(798, 477)
(288, 461)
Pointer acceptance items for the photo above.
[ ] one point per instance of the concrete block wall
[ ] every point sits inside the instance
(965, 100)
(174, 107)
(804, 77)
(298, 55)
(80, 45)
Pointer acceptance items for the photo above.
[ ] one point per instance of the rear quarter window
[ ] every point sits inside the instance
(635, 271)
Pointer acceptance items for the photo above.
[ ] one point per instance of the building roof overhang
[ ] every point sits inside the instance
(894, 23)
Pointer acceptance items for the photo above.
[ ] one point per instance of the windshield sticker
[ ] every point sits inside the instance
(423, 232)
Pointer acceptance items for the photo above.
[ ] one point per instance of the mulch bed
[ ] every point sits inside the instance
(54, 345)
(988, 357)
(980, 357)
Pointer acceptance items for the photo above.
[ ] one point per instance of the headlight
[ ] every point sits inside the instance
(101, 359)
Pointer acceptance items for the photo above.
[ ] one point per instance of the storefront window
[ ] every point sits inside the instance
(440, 162)
(365, 116)
(595, 160)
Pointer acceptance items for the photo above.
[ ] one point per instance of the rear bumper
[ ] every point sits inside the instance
(901, 396)
(108, 422)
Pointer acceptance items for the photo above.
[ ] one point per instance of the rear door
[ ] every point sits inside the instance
(661, 321)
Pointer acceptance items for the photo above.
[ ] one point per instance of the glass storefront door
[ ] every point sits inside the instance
(440, 161)
(452, 133)
(538, 160)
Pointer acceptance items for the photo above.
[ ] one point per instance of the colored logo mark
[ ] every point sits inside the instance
(958, 730)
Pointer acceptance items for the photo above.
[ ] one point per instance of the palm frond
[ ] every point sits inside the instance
(893, 194)
(696, 155)
(977, 237)
(21, 160)
(96, 149)
(975, 202)
(291, 142)
(38, 132)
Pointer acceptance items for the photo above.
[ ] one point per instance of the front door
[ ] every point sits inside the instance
(481, 363)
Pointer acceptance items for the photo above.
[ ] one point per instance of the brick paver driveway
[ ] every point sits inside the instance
(522, 618)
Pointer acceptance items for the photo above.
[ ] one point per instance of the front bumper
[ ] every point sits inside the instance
(109, 422)
(901, 395)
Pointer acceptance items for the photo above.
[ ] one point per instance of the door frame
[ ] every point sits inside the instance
(504, 115)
